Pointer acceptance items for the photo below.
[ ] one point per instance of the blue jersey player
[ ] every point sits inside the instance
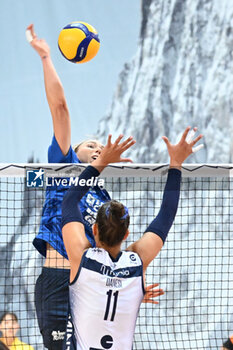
(51, 292)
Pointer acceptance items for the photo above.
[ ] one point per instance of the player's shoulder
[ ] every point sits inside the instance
(55, 154)
(94, 253)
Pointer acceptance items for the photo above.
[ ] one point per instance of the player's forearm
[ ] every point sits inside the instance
(53, 86)
(164, 220)
(70, 208)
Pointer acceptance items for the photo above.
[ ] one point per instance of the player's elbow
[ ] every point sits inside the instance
(60, 111)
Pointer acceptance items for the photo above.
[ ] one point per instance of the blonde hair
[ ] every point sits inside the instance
(77, 145)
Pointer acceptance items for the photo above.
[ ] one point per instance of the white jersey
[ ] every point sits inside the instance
(105, 297)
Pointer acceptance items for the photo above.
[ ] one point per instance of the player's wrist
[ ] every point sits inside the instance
(174, 164)
(179, 167)
(45, 56)
(99, 164)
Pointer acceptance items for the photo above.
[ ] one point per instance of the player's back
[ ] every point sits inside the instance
(105, 297)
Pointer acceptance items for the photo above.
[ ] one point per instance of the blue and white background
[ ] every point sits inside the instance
(26, 126)
(162, 65)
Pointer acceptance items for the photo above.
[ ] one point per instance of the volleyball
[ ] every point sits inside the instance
(78, 42)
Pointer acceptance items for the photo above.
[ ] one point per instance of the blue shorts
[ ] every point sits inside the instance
(52, 306)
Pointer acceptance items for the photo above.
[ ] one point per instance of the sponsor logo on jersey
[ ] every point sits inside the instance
(92, 205)
(109, 272)
(58, 335)
(106, 342)
(98, 250)
(132, 257)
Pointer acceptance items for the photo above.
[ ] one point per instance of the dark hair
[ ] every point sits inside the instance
(8, 313)
(113, 221)
(3, 346)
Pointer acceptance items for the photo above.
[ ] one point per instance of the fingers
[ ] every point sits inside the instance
(165, 139)
(196, 140)
(30, 27)
(113, 150)
(125, 160)
(151, 286)
(30, 34)
(149, 301)
(193, 142)
(109, 142)
(129, 142)
(151, 289)
(196, 149)
(151, 292)
(187, 136)
(183, 138)
(126, 141)
(118, 139)
(155, 292)
(190, 135)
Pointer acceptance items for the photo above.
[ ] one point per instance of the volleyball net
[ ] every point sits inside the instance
(195, 266)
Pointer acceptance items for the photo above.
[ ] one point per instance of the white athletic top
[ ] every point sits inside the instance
(105, 297)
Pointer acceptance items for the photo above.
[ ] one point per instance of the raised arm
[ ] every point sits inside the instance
(155, 235)
(72, 224)
(54, 92)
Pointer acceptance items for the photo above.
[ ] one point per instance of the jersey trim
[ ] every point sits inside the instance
(126, 272)
(115, 259)
(143, 284)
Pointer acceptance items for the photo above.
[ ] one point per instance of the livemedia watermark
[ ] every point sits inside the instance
(37, 179)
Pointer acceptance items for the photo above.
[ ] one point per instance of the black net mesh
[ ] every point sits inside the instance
(194, 267)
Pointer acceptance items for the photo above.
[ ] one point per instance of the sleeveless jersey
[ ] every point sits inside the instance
(50, 225)
(104, 298)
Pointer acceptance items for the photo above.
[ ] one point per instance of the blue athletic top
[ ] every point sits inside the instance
(50, 226)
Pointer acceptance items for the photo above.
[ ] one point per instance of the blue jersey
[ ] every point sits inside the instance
(50, 226)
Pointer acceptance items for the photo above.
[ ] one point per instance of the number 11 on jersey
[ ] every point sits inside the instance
(115, 297)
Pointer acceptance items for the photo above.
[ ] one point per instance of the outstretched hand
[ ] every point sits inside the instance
(182, 150)
(112, 152)
(39, 45)
(151, 293)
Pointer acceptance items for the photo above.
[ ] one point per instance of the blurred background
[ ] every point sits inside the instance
(161, 66)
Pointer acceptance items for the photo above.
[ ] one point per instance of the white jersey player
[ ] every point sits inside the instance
(107, 284)
(114, 289)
